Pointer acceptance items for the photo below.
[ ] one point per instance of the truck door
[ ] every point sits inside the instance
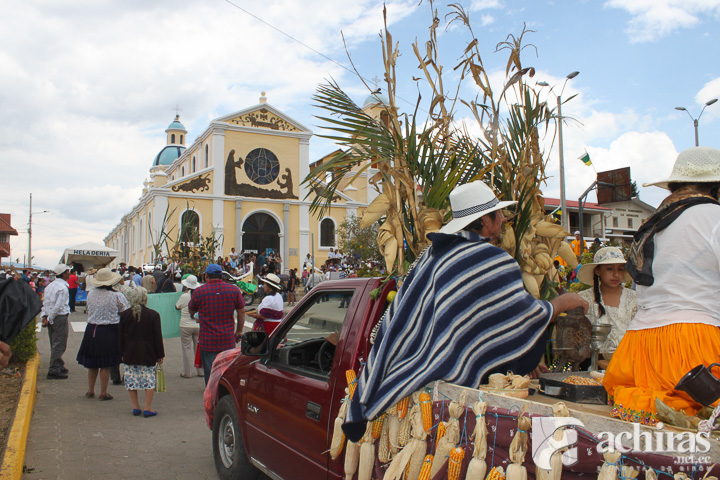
(291, 394)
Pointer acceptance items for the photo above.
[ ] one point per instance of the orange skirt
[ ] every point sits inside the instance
(649, 363)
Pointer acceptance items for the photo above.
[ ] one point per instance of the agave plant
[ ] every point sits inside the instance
(437, 154)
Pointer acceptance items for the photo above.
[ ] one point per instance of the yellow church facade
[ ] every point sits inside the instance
(241, 179)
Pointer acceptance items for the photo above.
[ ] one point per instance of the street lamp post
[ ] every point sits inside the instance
(29, 254)
(696, 120)
(565, 219)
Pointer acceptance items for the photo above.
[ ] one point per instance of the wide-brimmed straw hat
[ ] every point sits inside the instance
(104, 277)
(470, 202)
(694, 165)
(272, 280)
(604, 256)
(190, 282)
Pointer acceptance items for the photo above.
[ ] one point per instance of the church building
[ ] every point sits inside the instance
(241, 181)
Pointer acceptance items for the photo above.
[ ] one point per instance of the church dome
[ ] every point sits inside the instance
(376, 99)
(176, 126)
(168, 155)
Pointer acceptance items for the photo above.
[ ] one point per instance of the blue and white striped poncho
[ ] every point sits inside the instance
(460, 315)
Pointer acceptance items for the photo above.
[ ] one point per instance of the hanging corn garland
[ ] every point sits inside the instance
(452, 435)
(409, 460)
(478, 467)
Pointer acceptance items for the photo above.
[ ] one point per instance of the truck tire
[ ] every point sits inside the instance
(231, 460)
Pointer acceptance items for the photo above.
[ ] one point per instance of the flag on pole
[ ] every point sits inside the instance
(585, 158)
(557, 212)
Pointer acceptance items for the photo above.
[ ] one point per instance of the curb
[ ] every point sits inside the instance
(13, 462)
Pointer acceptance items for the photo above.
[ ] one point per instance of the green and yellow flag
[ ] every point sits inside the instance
(585, 158)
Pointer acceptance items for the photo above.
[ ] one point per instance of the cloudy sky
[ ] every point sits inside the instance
(89, 86)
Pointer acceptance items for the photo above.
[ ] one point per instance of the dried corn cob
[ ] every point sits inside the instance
(352, 458)
(426, 409)
(425, 470)
(496, 473)
(377, 426)
(384, 453)
(352, 381)
(367, 456)
(457, 455)
(338, 438)
(402, 407)
(440, 434)
(404, 432)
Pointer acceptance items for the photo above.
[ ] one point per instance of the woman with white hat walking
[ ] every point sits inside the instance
(270, 311)
(100, 348)
(189, 328)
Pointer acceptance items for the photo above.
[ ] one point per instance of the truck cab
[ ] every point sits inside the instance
(274, 405)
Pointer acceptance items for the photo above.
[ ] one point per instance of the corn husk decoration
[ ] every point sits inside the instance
(609, 469)
(352, 459)
(559, 410)
(518, 449)
(455, 460)
(451, 437)
(478, 468)
(409, 460)
(367, 454)
(338, 437)
(651, 474)
(629, 473)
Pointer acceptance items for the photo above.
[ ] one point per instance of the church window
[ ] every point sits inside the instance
(327, 233)
(190, 227)
(182, 171)
(206, 156)
(172, 138)
(181, 139)
(262, 166)
(630, 223)
(193, 165)
(615, 221)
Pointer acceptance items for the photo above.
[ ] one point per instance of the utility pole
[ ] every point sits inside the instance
(29, 262)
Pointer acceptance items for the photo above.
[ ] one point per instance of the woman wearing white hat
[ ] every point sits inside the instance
(189, 328)
(100, 349)
(675, 261)
(270, 311)
(610, 302)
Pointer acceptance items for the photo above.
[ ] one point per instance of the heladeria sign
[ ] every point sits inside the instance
(92, 253)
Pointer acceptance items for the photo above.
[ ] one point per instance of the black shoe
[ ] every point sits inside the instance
(117, 382)
(57, 376)
(64, 371)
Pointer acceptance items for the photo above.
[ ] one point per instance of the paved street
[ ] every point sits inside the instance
(73, 437)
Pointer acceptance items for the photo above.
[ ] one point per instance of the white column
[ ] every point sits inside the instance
(238, 226)
(158, 214)
(304, 208)
(304, 165)
(286, 240)
(218, 156)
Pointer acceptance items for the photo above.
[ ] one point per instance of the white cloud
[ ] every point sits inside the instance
(486, 20)
(709, 91)
(654, 19)
(485, 4)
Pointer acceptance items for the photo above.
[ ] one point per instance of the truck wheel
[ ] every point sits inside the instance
(231, 460)
(248, 298)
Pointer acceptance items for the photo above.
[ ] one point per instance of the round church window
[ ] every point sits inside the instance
(262, 166)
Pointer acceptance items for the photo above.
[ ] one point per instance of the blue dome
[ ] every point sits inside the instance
(376, 98)
(168, 155)
(176, 125)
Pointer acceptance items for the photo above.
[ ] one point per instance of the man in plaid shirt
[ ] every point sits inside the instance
(215, 303)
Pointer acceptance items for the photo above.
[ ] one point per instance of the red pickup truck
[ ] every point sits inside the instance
(273, 410)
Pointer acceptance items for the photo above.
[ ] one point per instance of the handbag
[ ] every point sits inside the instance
(160, 378)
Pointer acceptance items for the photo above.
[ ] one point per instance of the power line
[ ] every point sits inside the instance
(309, 47)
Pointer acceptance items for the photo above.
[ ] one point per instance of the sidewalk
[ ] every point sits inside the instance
(73, 437)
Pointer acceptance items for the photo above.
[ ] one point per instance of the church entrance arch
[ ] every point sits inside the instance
(260, 232)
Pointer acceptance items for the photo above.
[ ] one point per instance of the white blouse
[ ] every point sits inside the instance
(619, 317)
(104, 306)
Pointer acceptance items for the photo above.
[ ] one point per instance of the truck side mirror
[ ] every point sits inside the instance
(254, 343)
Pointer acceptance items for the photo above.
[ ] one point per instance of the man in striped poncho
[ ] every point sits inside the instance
(461, 314)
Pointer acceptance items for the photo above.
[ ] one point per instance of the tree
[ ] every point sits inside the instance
(358, 242)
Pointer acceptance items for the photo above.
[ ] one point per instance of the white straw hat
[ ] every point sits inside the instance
(273, 280)
(104, 277)
(604, 256)
(190, 282)
(470, 202)
(694, 165)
